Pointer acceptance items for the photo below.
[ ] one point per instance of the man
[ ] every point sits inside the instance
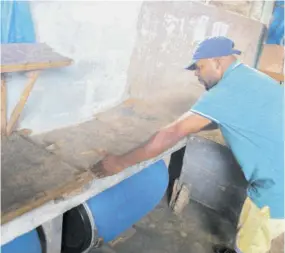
(248, 107)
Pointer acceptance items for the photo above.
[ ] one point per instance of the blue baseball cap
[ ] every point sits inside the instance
(211, 48)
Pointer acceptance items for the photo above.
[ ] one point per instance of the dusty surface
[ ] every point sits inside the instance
(29, 176)
(58, 165)
(194, 231)
(17, 57)
(278, 245)
(117, 130)
(167, 33)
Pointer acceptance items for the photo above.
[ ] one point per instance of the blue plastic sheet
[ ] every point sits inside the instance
(276, 28)
(16, 22)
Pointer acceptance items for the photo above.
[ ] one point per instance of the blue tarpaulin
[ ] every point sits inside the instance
(16, 22)
(276, 28)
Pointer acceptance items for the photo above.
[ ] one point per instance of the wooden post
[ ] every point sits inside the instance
(3, 105)
(20, 106)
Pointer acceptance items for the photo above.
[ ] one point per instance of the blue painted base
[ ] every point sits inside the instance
(118, 208)
(27, 243)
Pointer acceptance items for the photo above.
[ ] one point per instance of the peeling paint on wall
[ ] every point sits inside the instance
(178, 27)
(200, 31)
(220, 29)
(99, 37)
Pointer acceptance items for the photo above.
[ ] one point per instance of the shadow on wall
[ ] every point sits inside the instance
(175, 168)
(141, 55)
(213, 176)
(167, 34)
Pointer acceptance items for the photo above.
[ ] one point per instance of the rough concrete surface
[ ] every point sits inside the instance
(194, 231)
(29, 53)
(119, 129)
(119, 49)
(31, 169)
(116, 131)
(167, 34)
(278, 245)
(99, 37)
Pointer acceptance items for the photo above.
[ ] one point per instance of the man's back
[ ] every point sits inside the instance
(249, 108)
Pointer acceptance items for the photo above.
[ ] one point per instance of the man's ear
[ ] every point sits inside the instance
(218, 63)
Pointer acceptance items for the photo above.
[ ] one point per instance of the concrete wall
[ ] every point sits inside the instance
(167, 35)
(260, 10)
(99, 37)
(241, 7)
(117, 48)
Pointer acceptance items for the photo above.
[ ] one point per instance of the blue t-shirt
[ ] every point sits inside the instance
(248, 106)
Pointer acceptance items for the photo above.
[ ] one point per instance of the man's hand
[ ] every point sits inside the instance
(110, 165)
(164, 139)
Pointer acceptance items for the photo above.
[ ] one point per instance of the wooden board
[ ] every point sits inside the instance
(26, 57)
(117, 130)
(31, 176)
(43, 176)
(21, 104)
(277, 76)
(271, 61)
(272, 58)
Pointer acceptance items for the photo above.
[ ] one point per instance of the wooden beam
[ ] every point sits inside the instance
(17, 57)
(277, 76)
(33, 66)
(3, 105)
(20, 106)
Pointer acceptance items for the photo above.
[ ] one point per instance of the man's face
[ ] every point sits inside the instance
(209, 72)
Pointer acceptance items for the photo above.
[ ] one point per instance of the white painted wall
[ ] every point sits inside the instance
(167, 35)
(99, 37)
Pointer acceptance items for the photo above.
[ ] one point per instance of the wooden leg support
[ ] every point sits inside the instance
(3, 105)
(20, 106)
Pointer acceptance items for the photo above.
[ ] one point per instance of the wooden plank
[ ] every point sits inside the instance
(20, 105)
(277, 76)
(33, 66)
(3, 105)
(126, 126)
(73, 187)
(26, 57)
(40, 175)
(271, 61)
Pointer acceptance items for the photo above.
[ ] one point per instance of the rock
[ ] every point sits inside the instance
(52, 147)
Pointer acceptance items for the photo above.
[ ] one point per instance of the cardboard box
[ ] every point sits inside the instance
(271, 61)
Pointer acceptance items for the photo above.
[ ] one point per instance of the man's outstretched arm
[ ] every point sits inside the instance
(164, 139)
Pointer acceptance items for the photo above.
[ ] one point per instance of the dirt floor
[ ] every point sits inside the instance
(194, 231)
